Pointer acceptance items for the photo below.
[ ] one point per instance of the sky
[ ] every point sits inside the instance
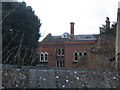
(88, 15)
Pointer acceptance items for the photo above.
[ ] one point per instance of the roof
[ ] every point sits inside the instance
(85, 37)
(50, 38)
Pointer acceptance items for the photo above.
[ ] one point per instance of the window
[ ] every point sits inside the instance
(84, 53)
(60, 64)
(75, 56)
(80, 53)
(60, 52)
(65, 35)
(43, 56)
(57, 63)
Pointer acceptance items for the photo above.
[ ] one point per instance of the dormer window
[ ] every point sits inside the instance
(65, 35)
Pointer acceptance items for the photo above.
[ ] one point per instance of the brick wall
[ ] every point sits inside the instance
(69, 46)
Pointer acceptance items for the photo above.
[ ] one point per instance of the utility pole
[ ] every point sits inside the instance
(117, 51)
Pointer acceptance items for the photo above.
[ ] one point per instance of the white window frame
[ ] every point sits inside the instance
(45, 60)
(84, 53)
(41, 60)
(44, 57)
(75, 60)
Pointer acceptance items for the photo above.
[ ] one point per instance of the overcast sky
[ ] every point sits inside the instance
(88, 15)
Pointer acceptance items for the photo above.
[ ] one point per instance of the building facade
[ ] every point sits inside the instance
(64, 50)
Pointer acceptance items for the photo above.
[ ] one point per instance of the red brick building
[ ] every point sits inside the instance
(64, 50)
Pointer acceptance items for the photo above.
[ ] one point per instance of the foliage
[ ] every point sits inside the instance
(112, 30)
(96, 36)
(20, 33)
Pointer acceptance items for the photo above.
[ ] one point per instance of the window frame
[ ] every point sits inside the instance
(80, 53)
(84, 53)
(75, 56)
(43, 57)
(60, 51)
(45, 60)
(60, 64)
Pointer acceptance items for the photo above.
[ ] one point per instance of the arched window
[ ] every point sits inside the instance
(43, 56)
(46, 56)
(84, 53)
(62, 52)
(75, 56)
(59, 51)
(80, 54)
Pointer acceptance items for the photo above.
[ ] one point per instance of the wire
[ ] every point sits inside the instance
(18, 52)
(10, 55)
(10, 41)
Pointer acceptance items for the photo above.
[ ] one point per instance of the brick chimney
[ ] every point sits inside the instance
(101, 30)
(72, 30)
